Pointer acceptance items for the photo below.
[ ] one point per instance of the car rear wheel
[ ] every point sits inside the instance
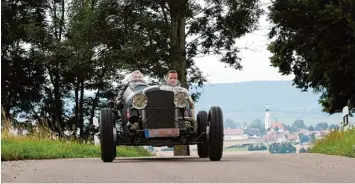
(216, 134)
(107, 144)
(202, 122)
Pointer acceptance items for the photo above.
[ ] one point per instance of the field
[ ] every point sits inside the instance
(340, 143)
(236, 149)
(40, 145)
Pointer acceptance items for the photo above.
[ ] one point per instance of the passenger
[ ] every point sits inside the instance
(172, 80)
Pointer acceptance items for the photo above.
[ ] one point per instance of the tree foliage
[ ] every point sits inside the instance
(299, 124)
(281, 148)
(315, 40)
(62, 60)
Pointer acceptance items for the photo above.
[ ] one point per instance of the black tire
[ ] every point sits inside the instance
(107, 144)
(202, 123)
(216, 133)
(115, 152)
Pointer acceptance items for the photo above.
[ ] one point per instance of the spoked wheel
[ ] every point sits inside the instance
(216, 133)
(107, 143)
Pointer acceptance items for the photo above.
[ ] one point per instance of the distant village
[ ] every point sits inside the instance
(278, 132)
(275, 133)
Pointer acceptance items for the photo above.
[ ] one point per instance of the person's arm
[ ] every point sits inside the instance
(120, 95)
(191, 103)
(192, 106)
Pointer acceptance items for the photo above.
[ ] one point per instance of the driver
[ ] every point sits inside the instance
(172, 80)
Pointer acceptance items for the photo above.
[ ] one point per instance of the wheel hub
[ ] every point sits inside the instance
(114, 134)
(208, 133)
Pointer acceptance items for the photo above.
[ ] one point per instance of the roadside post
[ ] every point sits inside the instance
(345, 121)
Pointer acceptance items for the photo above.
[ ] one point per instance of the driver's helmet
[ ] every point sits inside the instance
(136, 76)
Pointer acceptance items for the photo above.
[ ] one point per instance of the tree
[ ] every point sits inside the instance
(308, 150)
(281, 148)
(311, 128)
(312, 137)
(291, 129)
(315, 41)
(227, 27)
(299, 124)
(332, 127)
(303, 138)
(321, 126)
(257, 124)
(22, 72)
(229, 123)
(302, 150)
(276, 128)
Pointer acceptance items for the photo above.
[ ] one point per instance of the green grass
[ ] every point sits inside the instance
(40, 145)
(340, 143)
(236, 149)
(23, 148)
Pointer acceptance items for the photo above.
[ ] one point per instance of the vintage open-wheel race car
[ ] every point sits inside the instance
(159, 115)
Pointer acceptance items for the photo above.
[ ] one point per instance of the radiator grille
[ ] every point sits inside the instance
(163, 100)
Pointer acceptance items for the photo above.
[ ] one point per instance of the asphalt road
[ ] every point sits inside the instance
(237, 168)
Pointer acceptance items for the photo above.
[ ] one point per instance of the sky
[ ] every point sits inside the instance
(255, 62)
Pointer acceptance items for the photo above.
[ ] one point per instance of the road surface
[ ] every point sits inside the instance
(257, 167)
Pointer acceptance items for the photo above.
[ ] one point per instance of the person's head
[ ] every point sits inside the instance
(172, 78)
(136, 76)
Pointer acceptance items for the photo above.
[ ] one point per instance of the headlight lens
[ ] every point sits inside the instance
(139, 101)
(181, 99)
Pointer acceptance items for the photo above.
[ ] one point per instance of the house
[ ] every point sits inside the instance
(304, 132)
(279, 125)
(293, 138)
(252, 133)
(274, 137)
(234, 134)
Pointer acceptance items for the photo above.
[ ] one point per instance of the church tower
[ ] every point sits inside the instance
(267, 117)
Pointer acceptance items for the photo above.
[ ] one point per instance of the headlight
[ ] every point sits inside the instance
(139, 101)
(181, 99)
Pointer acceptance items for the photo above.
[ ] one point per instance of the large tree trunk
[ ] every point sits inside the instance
(76, 122)
(81, 108)
(178, 56)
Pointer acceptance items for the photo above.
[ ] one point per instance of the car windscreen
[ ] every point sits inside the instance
(138, 87)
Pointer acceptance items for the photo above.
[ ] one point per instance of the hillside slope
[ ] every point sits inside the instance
(253, 96)
(246, 101)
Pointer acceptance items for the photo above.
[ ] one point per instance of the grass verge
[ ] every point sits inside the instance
(23, 148)
(340, 143)
(40, 145)
(236, 149)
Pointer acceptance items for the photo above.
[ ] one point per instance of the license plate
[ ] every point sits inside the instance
(162, 132)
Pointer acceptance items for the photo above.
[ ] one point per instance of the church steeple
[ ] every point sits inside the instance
(267, 117)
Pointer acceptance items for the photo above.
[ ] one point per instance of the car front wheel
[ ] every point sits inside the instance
(107, 144)
(216, 133)
(202, 123)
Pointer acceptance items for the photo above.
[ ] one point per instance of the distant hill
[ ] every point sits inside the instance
(246, 101)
